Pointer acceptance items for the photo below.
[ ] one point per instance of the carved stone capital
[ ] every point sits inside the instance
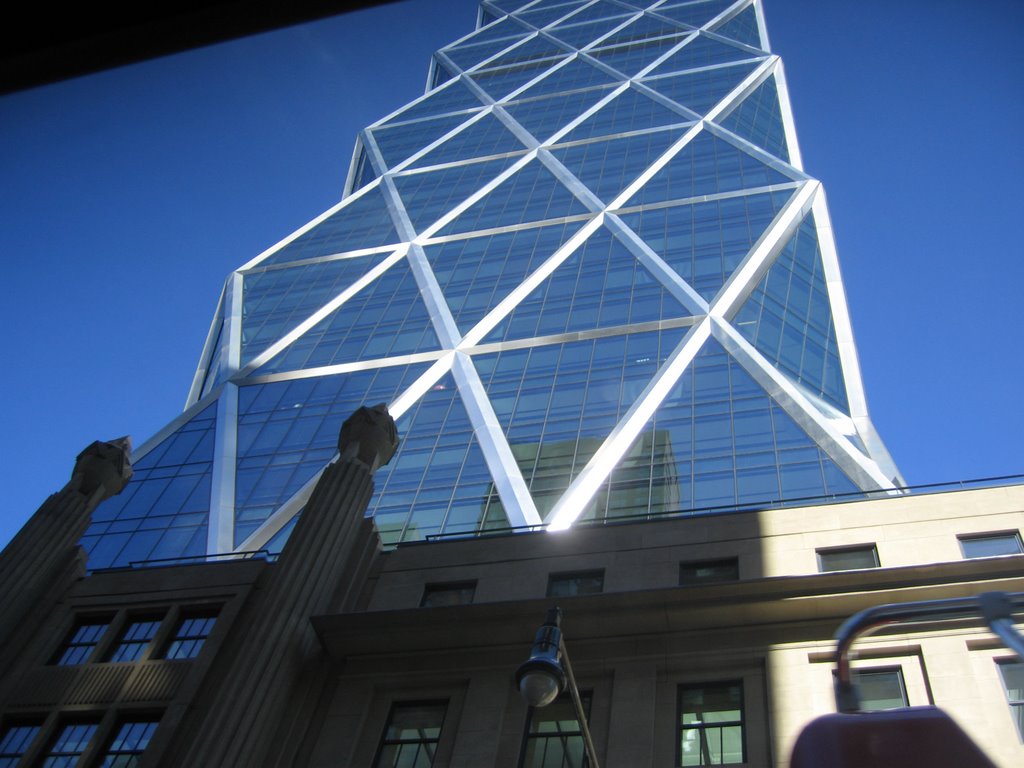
(370, 436)
(103, 465)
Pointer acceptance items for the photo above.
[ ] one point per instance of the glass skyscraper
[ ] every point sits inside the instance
(586, 272)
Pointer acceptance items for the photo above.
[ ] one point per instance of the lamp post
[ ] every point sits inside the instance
(543, 676)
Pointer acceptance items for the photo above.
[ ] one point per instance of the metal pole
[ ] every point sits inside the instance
(581, 718)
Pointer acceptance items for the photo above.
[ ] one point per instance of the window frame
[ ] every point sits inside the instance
(564, 577)
(121, 641)
(1016, 706)
(703, 728)
(586, 699)
(439, 588)
(112, 734)
(731, 562)
(57, 731)
(856, 673)
(9, 725)
(104, 620)
(1012, 535)
(824, 552)
(383, 742)
(174, 637)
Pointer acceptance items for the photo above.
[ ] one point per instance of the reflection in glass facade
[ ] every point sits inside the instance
(585, 270)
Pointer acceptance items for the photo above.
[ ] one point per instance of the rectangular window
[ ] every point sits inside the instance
(711, 724)
(1012, 673)
(129, 742)
(553, 735)
(411, 736)
(991, 544)
(15, 740)
(580, 583)
(81, 641)
(847, 558)
(70, 742)
(448, 594)
(709, 571)
(134, 639)
(190, 634)
(880, 689)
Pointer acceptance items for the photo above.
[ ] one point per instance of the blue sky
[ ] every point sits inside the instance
(127, 197)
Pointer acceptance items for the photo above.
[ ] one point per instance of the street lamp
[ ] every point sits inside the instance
(548, 672)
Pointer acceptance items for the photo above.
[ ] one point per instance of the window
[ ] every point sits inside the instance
(553, 735)
(847, 558)
(991, 544)
(191, 633)
(129, 742)
(69, 744)
(569, 584)
(880, 689)
(711, 724)
(15, 739)
(709, 571)
(135, 638)
(80, 643)
(1012, 673)
(411, 736)
(448, 594)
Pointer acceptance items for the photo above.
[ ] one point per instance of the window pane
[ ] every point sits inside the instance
(711, 724)
(80, 643)
(992, 545)
(569, 584)
(1013, 682)
(192, 631)
(135, 638)
(14, 742)
(448, 594)
(68, 746)
(410, 739)
(554, 738)
(709, 571)
(880, 689)
(848, 558)
(128, 744)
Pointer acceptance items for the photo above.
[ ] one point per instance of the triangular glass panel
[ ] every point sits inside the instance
(577, 74)
(643, 28)
(217, 365)
(438, 481)
(499, 83)
(386, 318)
(532, 50)
(288, 431)
(364, 172)
(441, 73)
(399, 142)
(426, 195)
(608, 167)
(601, 285)
(706, 166)
(742, 27)
(542, 117)
(696, 14)
(486, 16)
(582, 35)
(788, 318)
(531, 194)
(631, 58)
(468, 56)
(478, 272)
(702, 51)
(629, 111)
(758, 119)
(276, 300)
(705, 242)
(487, 136)
(544, 16)
(363, 222)
(717, 442)
(499, 30)
(453, 96)
(702, 89)
(558, 402)
(162, 511)
(598, 11)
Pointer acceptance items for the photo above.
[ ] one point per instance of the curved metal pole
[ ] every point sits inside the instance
(581, 716)
(995, 607)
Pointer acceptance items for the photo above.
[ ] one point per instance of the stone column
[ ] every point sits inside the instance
(39, 558)
(251, 692)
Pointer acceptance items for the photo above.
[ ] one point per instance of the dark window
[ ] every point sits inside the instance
(190, 634)
(411, 737)
(711, 724)
(880, 689)
(129, 742)
(81, 642)
(15, 739)
(991, 544)
(448, 594)
(135, 638)
(69, 744)
(847, 558)
(553, 735)
(1012, 673)
(709, 571)
(569, 584)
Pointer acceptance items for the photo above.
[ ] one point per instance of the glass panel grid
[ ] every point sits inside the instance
(190, 634)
